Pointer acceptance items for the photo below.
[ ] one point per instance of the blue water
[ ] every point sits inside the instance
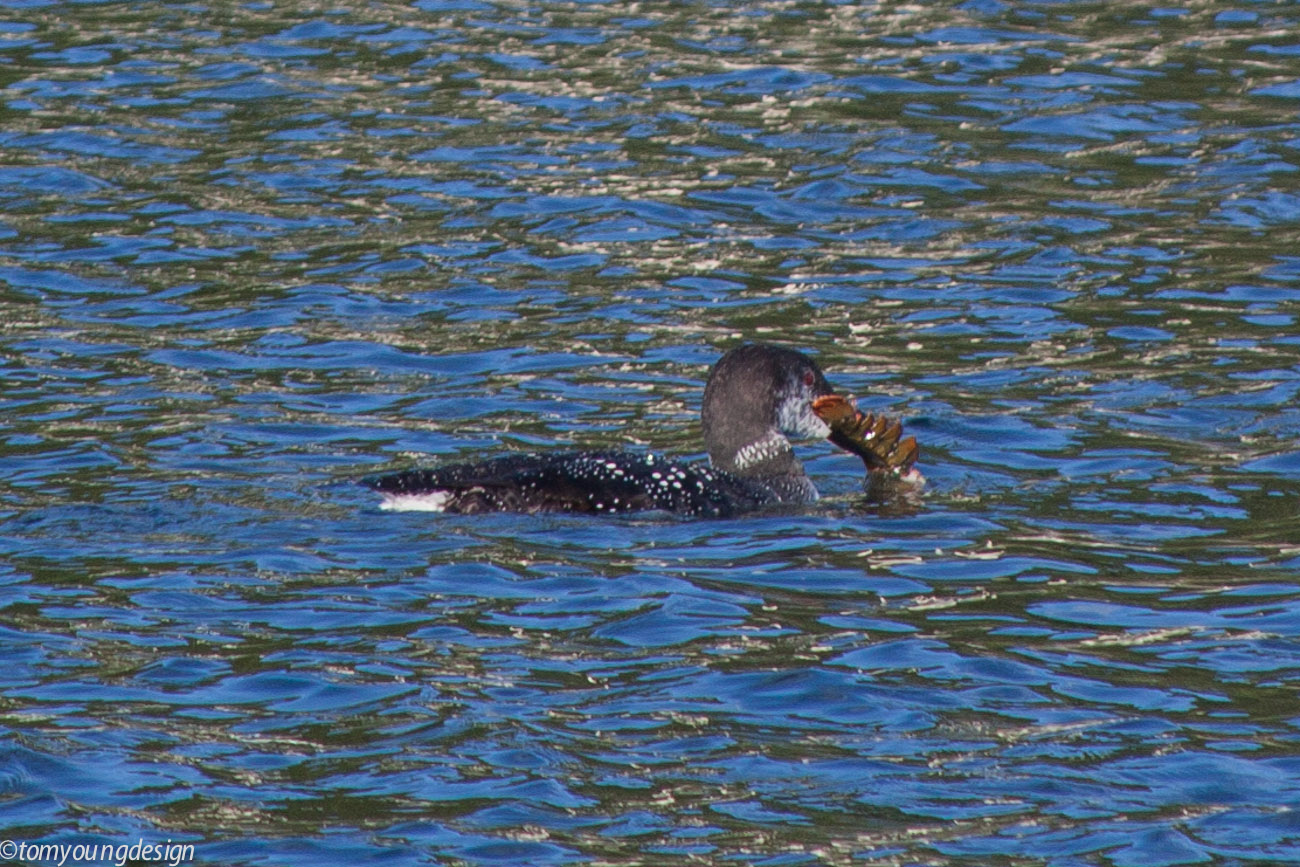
(249, 256)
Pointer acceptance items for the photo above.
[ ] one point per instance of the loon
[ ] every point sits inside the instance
(755, 397)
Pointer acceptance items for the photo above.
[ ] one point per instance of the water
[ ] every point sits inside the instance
(247, 257)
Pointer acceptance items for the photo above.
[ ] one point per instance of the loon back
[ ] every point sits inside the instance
(575, 482)
(754, 396)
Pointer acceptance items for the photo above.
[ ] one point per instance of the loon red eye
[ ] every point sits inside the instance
(808, 378)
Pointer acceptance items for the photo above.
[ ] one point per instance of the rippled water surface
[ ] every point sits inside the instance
(250, 254)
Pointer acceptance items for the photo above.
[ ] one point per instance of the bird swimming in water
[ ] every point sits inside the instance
(755, 397)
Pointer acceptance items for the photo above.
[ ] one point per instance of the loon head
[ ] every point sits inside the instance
(755, 397)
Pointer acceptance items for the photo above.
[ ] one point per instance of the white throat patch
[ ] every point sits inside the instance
(795, 417)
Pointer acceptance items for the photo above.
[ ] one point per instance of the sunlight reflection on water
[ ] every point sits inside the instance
(244, 266)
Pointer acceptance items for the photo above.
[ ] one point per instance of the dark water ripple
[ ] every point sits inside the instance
(249, 256)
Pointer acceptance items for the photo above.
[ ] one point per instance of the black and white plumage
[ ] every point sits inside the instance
(756, 395)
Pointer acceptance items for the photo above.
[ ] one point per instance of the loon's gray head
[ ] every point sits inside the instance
(755, 397)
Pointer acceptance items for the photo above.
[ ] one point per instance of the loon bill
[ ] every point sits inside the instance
(755, 397)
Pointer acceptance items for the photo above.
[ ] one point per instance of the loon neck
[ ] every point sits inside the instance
(770, 461)
(767, 455)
